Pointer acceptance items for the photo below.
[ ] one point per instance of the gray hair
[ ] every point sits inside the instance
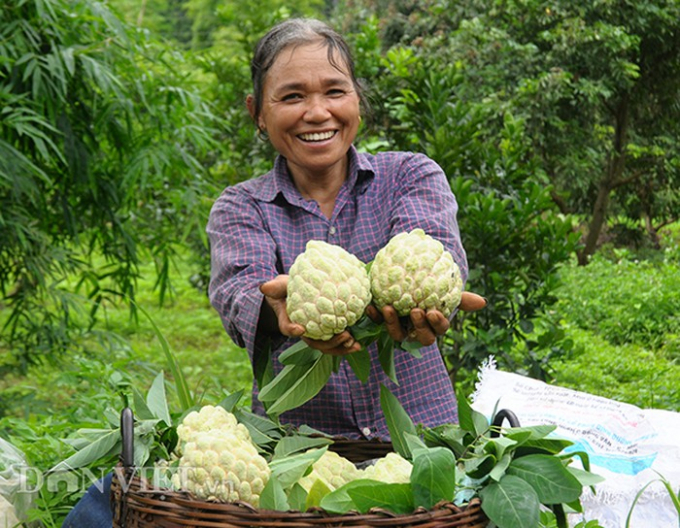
(296, 32)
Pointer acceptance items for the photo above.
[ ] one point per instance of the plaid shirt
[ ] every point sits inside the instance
(258, 227)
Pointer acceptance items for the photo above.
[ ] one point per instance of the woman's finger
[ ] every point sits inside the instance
(471, 302)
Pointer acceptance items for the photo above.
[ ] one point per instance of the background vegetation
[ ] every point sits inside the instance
(556, 122)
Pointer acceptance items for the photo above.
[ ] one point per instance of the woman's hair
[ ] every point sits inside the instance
(296, 32)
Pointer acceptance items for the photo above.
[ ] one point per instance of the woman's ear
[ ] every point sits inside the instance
(250, 104)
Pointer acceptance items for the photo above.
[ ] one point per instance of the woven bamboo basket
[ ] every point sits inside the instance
(136, 503)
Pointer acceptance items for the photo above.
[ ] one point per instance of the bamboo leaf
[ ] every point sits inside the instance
(185, 398)
(105, 445)
(157, 400)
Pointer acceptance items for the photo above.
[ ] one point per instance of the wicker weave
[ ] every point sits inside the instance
(137, 504)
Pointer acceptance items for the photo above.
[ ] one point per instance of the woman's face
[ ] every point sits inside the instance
(310, 110)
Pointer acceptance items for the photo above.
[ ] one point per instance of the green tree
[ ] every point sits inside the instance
(599, 85)
(596, 83)
(100, 140)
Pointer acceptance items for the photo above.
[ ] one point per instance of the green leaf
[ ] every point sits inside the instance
(186, 399)
(142, 410)
(500, 468)
(273, 496)
(472, 421)
(498, 446)
(397, 498)
(479, 467)
(299, 354)
(550, 446)
(535, 432)
(386, 355)
(339, 501)
(511, 503)
(586, 478)
(451, 436)
(297, 497)
(412, 347)
(157, 400)
(296, 384)
(289, 445)
(360, 362)
(433, 477)
(398, 421)
(365, 331)
(290, 469)
(317, 492)
(108, 443)
(230, 401)
(552, 481)
(263, 367)
(415, 444)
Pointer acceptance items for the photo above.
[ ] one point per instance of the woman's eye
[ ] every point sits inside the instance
(291, 97)
(336, 92)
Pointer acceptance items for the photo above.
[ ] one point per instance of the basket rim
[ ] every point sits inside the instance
(140, 495)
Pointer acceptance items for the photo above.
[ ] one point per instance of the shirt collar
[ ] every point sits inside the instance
(278, 180)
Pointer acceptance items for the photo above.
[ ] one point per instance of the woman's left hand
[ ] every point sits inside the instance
(425, 326)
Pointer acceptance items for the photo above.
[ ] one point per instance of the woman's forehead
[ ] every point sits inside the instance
(319, 53)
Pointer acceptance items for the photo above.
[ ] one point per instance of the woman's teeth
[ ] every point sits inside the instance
(317, 136)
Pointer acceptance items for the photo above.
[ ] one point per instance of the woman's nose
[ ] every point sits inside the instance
(317, 110)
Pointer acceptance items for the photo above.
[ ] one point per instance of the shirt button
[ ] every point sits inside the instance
(366, 431)
(332, 230)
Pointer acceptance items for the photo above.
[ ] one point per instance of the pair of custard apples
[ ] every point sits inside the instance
(219, 461)
(329, 288)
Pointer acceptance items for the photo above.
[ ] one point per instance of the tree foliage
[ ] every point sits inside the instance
(100, 141)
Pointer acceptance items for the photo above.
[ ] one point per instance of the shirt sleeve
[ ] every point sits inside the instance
(424, 200)
(243, 256)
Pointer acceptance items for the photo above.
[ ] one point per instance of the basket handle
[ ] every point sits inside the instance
(501, 416)
(127, 428)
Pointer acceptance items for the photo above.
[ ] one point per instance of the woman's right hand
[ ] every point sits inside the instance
(275, 292)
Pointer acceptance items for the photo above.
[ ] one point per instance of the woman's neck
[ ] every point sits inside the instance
(322, 187)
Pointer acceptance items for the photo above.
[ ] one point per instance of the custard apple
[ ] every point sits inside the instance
(333, 470)
(414, 270)
(391, 469)
(219, 465)
(328, 290)
(208, 418)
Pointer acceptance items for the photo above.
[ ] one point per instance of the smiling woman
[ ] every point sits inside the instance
(307, 101)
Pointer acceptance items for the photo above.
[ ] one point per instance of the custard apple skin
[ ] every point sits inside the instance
(218, 465)
(390, 469)
(208, 418)
(333, 470)
(414, 270)
(328, 290)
